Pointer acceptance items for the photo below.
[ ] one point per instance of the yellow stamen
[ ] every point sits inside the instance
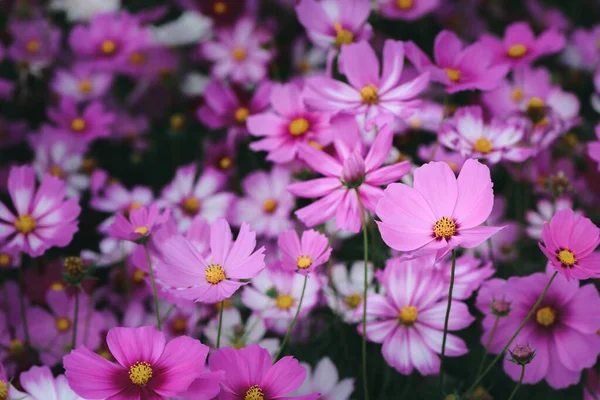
(57, 286)
(140, 373)
(284, 301)
(453, 74)
(214, 274)
(304, 262)
(139, 276)
(405, 4)
(415, 123)
(369, 94)
(85, 86)
(342, 36)
(177, 121)
(137, 58)
(225, 163)
(63, 324)
(191, 205)
(444, 228)
(25, 224)
(3, 390)
(567, 258)
(408, 315)
(269, 205)
(482, 145)
(78, 124)
(315, 145)
(299, 126)
(517, 94)
(142, 230)
(179, 325)
(220, 8)
(545, 316)
(56, 171)
(535, 102)
(353, 300)
(254, 393)
(33, 46)
(517, 50)
(108, 47)
(5, 260)
(239, 54)
(241, 114)
(16, 348)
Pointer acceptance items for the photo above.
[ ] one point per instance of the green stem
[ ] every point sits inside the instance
(487, 346)
(447, 320)
(514, 392)
(503, 351)
(221, 308)
(153, 288)
(364, 316)
(289, 331)
(23, 308)
(75, 318)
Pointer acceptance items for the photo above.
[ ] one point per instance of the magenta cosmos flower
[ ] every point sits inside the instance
(458, 68)
(83, 123)
(43, 219)
(562, 330)
(141, 224)
(191, 276)
(81, 83)
(409, 319)
(371, 93)
(440, 212)
(287, 127)
(147, 367)
(34, 43)
(251, 375)
(237, 53)
(408, 10)
(40, 384)
(496, 141)
(336, 22)
(569, 243)
(346, 175)
(306, 254)
(520, 46)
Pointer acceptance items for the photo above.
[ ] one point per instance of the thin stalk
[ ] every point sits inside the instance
(75, 318)
(23, 308)
(221, 308)
(364, 316)
(487, 346)
(514, 392)
(289, 331)
(153, 287)
(503, 351)
(447, 320)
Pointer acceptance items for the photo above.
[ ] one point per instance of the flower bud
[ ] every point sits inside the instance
(353, 171)
(500, 307)
(522, 354)
(75, 270)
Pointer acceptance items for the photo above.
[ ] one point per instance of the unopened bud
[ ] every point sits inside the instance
(522, 354)
(500, 307)
(75, 270)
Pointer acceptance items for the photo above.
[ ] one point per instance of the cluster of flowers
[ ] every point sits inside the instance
(125, 310)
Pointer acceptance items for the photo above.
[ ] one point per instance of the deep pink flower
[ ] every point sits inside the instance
(81, 83)
(520, 46)
(40, 384)
(344, 176)
(408, 10)
(140, 225)
(376, 95)
(409, 319)
(569, 243)
(440, 212)
(335, 23)
(82, 123)
(306, 254)
(216, 277)
(290, 125)
(458, 68)
(147, 367)
(43, 219)
(35, 43)
(117, 198)
(251, 374)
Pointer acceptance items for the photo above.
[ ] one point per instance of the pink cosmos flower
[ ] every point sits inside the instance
(323, 379)
(585, 43)
(591, 389)
(39, 384)
(427, 117)
(452, 158)
(251, 374)
(307, 60)
(545, 210)
(109, 40)
(409, 319)
(140, 225)
(117, 198)
(267, 204)
(593, 148)
(131, 129)
(290, 125)
(34, 43)
(83, 123)
(520, 46)
(335, 23)
(440, 212)
(346, 290)
(562, 331)
(237, 53)
(470, 273)
(81, 83)
(376, 95)
(147, 366)
(458, 68)
(346, 175)
(216, 277)
(408, 10)
(189, 195)
(495, 141)
(43, 219)
(221, 155)
(569, 243)
(9, 258)
(306, 254)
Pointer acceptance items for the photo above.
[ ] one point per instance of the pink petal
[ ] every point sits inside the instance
(21, 186)
(393, 62)
(388, 174)
(475, 195)
(361, 65)
(437, 184)
(314, 187)
(130, 345)
(220, 241)
(285, 376)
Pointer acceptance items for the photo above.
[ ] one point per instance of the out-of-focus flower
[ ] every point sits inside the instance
(11, 132)
(83, 10)
(86, 123)
(190, 28)
(470, 273)
(408, 10)
(545, 210)
(40, 384)
(81, 83)
(35, 43)
(586, 47)
(593, 148)
(308, 61)
(139, 225)
(345, 296)
(6, 86)
(324, 379)
(303, 255)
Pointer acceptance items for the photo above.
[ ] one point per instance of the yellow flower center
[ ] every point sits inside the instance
(353, 300)
(239, 54)
(570, 140)
(179, 325)
(225, 163)
(56, 171)
(139, 276)
(517, 50)
(137, 58)
(535, 102)
(25, 224)
(220, 8)
(567, 258)
(191, 205)
(33, 46)
(108, 47)
(57, 286)
(545, 316)
(415, 123)
(284, 301)
(444, 228)
(304, 262)
(269, 206)
(453, 166)
(3, 390)
(74, 266)
(342, 36)
(408, 315)
(85, 86)
(405, 4)
(536, 111)
(482, 145)
(241, 114)
(517, 94)
(369, 94)
(453, 74)
(63, 324)
(226, 304)
(299, 126)
(142, 230)
(16, 347)
(5, 260)
(140, 373)
(214, 274)
(78, 124)
(254, 393)
(315, 145)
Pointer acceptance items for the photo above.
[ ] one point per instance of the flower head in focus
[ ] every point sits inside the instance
(305, 254)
